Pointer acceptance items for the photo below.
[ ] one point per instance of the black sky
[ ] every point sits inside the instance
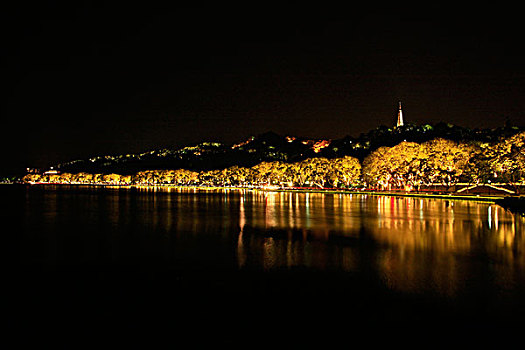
(89, 78)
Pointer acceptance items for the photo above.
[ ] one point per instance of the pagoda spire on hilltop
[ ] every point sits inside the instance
(399, 116)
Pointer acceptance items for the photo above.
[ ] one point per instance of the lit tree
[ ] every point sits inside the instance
(507, 160)
(113, 179)
(97, 178)
(304, 171)
(32, 178)
(376, 168)
(166, 176)
(346, 170)
(478, 169)
(209, 178)
(125, 179)
(447, 161)
(279, 173)
(399, 166)
(241, 175)
(408, 159)
(184, 177)
(65, 178)
(261, 173)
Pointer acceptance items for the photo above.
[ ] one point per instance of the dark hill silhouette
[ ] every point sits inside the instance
(270, 146)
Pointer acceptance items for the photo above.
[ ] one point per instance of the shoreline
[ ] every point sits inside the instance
(451, 196)
(515, 204)
(481, 198)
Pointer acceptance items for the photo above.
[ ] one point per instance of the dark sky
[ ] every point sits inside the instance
(88, 78)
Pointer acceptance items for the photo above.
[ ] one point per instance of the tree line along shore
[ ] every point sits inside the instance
(407, 166)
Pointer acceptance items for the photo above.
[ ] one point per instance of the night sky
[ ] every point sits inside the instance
(84, 78)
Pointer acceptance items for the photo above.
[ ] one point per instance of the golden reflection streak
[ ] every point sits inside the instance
(241, 254)
(420, 240)
(442, 236)
(422, 236)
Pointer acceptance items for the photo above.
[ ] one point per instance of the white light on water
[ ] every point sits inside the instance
(490, 217)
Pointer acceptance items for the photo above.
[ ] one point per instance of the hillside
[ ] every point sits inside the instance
(271, 147)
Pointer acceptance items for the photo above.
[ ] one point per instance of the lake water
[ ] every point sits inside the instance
(248, 266)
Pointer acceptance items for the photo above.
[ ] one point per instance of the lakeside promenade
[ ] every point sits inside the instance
(481, 196)
(513, 202)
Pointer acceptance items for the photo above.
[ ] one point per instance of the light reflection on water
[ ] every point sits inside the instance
(409, 244)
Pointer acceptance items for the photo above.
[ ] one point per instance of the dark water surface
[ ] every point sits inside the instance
(248, 267)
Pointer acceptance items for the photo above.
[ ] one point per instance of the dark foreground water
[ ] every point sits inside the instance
(143, 266)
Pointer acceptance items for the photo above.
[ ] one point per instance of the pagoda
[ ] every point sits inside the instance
(399, 116)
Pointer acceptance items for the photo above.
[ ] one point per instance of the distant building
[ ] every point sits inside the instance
(52, 171)
(33, 171)
(399, 116)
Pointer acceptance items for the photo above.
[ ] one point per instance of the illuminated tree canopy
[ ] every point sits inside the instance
(315, 172)
(407, 165)
(445, 162)
(507, 159)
